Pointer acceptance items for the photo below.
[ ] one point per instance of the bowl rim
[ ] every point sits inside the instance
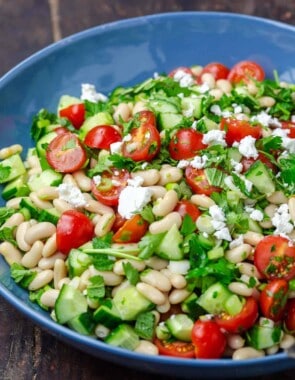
(60, 331)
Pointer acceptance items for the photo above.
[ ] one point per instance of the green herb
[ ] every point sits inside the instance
(42, 120)
(21, 275)
(6, 234)
(122, 253)
(104, 164)
(96, 288)
(240, 183)
(148, 244)
(188, 225)
(147, 214)
(145, 325)
(267, 144)
(215, 177)
(5, 213)
(103, 242)
(94, 108)
(102, 262)
(131, 273)
(121, 162)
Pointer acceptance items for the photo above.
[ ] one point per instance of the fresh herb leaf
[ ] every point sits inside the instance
(240, 183)
(147, 214)
(21, 275)
(102, 262)
(6, 234)
(42, 120)
(131, 273)
(96, 288)
(215, 177)
(148, 244)
(103, 242)
(188, 225)
(5, 213)
(121, 162)
(104, 164)
(94, 108)
(145, 325)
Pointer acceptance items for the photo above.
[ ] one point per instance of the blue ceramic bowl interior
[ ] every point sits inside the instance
(124, 53)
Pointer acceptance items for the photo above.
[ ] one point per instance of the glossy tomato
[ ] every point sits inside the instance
(248, 162)
(74, 113)
(274, 257)
(273, 299)
(245, 71)
(73, 230)
(218, 70)
(185, 207)
(102, 136)
(197, 180)
(209, 340)
(186, 143)
(291, 126)
(236, 130)
(131, 231)
(184, 69)
(65, 153)
(242, 321)
(177, 348)
(144, 142)
(290, 315)
(107, 191)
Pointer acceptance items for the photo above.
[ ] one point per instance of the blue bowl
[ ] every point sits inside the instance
(124, 53)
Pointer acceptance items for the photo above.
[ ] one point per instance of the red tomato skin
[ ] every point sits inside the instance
(178, 349)
(110, 197)
(65, 153)
(290, 315)
(273, 299)
(73, 230)
(218, 70)
(236, 130)
(131, 231)
(185, 207)
(102, 136)
(244, 320)
(198, 182)
(275, 258)
(180, 68)
(247, 162)
(186, 143)
(209, 340)
(245, 71)
(75, 113)
(291, 126)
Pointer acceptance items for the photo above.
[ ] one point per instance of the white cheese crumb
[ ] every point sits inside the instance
(216, 213)
(179, 267)
(127, 137)
(88, 92)
(282, 220)
(133, 199)
(97, 179)
(71, 194)
(237, 166)
(254, 214)
(236, 242)
(247, 147)
(182, 164)
(204, 87)
(223, 234)
(136, 181)
(199, 162)
(144, 165)
(184, 79)
(214, 137)
(116, 147)
(265, 119)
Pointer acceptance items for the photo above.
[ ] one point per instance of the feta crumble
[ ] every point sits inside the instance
(247, 147)
(97, 179)
(71, 194)
(199, 162)
(236, 242)
(214, 137)
(182, 164)
(136, 181)
(88, 92)
(282, 220)
(254, 214)
(116, 147)
(184, 79)
(133, 199)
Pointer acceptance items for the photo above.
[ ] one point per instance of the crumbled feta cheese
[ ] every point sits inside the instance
(181, 95)
(236, 242)
(223, 234)
(217, 224)
(71, 194)
(127, 137)
(133, 199)
(217, 213)
(282, 220)
(237, 166)
(97, 179)
(214, 137)
(204, 87)
(248, 184)
(199, 162)
(216, 110)
(189, 111)
(116, 147)
(182, 164)
(89, 93)
(228, 181)
(254, 214)
(156, 75)
(247, 147)
(237, 108)
(184, 79)
(265, 119)
(136, 181)
(179, 267)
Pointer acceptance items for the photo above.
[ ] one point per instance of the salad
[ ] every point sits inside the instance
(160, 219)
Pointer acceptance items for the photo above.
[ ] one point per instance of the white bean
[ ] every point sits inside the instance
(235, 341)
(178, 295)
(249, 270)
(83, 182)
(97, 207)
(39, 202)
(48, 193)
(139, 106)
(39, 231)
(32, 257)
(287, 341)
(252, 238)
(247, 353)
(10, 150)
(110, 278)
(122, 112)
(291, 205)
(156, 279)
(50, 246)
(14, 202)
(10, 253)
(164, 307)
(61, 205)
(14, 221)
(104, 224)
(146, 347)
(157, 263)
(169, 174)
(151, 293)
(166, 205)
(278, 197)
(266, 101)
(216, 93)
(20, 236)
(59, 271)
(69, 179)
(209, 79)
(43, 278)
(150, 177)
(202, 200)
(48, 262)
(239, 253)
(119, 266)
(178, 281)
(166, 223)
(240, 289)
(157, 192)
(224, 85)
(49, 297)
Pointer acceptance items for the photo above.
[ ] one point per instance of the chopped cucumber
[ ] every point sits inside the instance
(48, 177)
(123, 336)
(29, 205)
(163, 106)
(106, 316)
(215, 253)
(11, 168)
(49, 215)
(191, 307)
(101, 118)
(16, 188)
(214, 298)
(193, 106)
(233, 305)
(262, 337)
(69, 304)
(82, 323)
(170, 247)
(78, 262)
(43, 143)
(180, 326)
(169, 120)
(259, 175)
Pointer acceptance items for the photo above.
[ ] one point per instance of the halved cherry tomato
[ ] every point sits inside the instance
(245, 71)
(197, 180)
(236, 130)
(102, 136)
(273, 299)
(209, 340)
(186, 143)
(185, 207)
(73, 230)
(242, 321)
(118, 223)
(145, 141)
(110, 186)
(218, 70)
(291, 126)
(248, 162)
(131, 231)
(274, 257)
(177, 349)
(187, 70)
(290, 315)
(74, 113)
(65, 153)
(60, 130)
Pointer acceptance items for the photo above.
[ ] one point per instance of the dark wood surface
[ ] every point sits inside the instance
(27, 352)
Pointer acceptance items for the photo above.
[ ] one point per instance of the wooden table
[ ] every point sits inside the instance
(26, 352)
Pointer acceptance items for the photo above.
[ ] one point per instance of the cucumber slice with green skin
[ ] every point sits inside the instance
(106, 316)
(214, 298)
(169, 120)
(262, 337)
(82, 323)
(123, 336)
(130, 303)
(180, 326)
(44, 142)
(16, 188)
(66, 101)
(70, 303)
(170, 247)
(101, 118)
(48, 177)
(259, 175)
(163, 106)
(191, 307)
(12, 167)
(49, 215)
(192, 106)
(33, 210)
(78, 262)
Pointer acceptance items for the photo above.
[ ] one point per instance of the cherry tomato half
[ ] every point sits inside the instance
(145, 141)
(73, 230)
(177, 348)
(291, 126)
(218, 70)
(102, 136)
(236, 130)
(185, 207)
(242, 321)
(65, 153)
(274, 257)
(186, 143)
(273, 299)
(74, 113)
(245, 71)
(197, 180)
(131, 231)
(209, 340)
(110, 186)
(290, 315)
